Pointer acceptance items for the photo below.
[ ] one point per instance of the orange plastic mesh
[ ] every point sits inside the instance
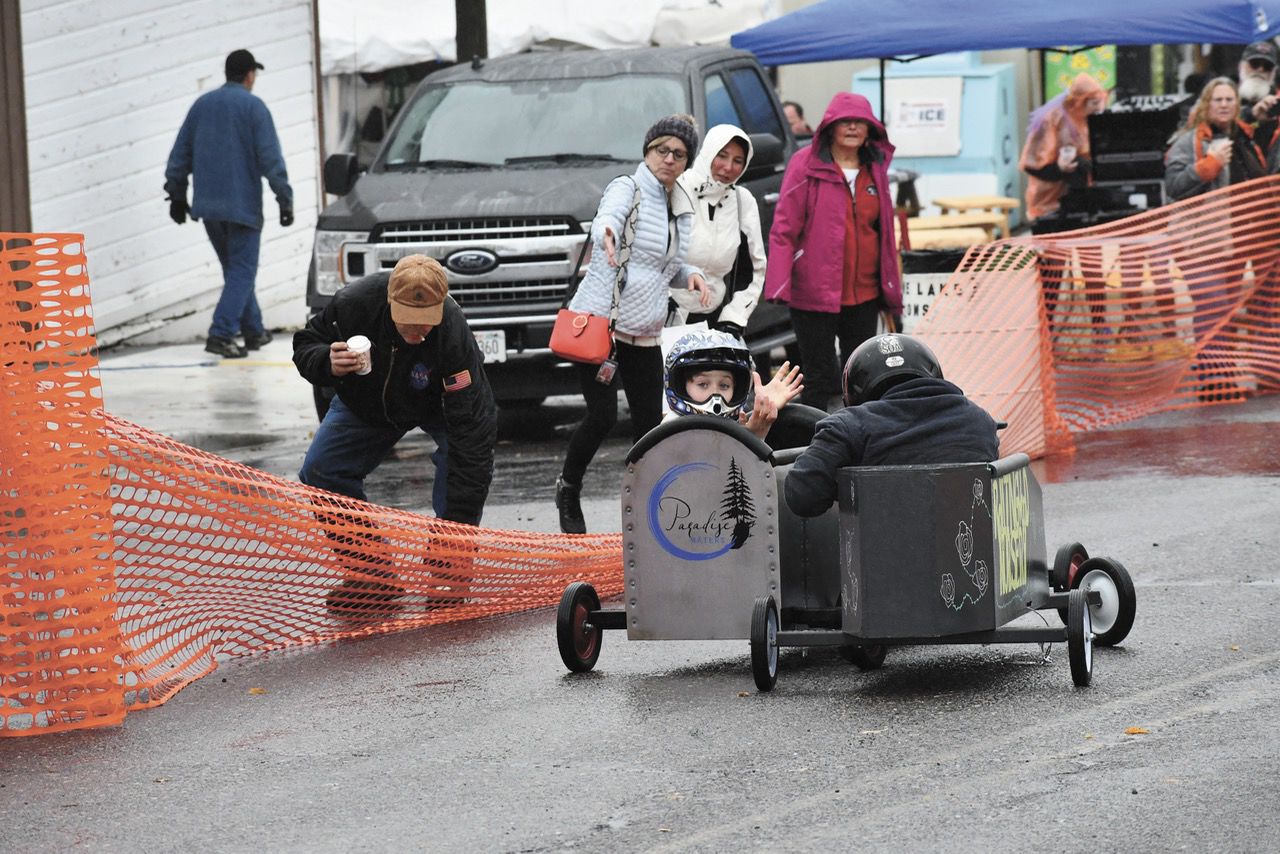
(133, 562)
(1172, 308)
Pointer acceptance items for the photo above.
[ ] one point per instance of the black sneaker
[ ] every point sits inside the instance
(568, 502)
(257, 341)
(224, 347)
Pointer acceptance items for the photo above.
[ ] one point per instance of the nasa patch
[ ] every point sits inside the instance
(419, 376)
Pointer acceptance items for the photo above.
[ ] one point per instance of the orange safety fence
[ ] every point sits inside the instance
(1172, 308)
(132, 563)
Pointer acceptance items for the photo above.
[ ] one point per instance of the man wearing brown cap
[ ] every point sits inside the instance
(227, 145)
(423, 370)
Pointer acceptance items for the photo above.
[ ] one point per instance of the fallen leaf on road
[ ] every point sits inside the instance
(1235, 647)
(744, 693)
(257, 690)
(1136, 730)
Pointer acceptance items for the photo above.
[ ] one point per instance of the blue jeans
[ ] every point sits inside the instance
(237, 248)
(347, 448)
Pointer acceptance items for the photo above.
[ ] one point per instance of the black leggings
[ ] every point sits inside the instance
(816, 334)
(640, 369)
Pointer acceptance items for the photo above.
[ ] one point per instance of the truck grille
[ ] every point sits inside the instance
(497, 293)
(473, 230)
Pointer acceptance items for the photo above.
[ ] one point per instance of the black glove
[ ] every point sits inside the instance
(725, 326)
(178, 209)
(286, 215)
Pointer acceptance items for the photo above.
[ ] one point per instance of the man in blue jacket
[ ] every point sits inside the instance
(228, 144)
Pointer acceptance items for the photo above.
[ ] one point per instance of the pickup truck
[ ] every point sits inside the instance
(495, 169)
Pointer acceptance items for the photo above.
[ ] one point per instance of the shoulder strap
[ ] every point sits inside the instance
(624, 252)
(574, 281)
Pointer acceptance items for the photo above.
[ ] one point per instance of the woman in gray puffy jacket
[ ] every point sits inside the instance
(652, 247)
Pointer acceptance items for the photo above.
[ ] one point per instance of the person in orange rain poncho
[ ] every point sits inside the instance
(1056, 155)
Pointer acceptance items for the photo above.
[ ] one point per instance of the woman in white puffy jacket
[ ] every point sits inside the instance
(653, 250)
(726, 224)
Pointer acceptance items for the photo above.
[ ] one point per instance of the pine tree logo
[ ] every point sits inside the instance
(736, 505)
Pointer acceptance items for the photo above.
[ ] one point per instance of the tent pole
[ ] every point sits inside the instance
(882, 90)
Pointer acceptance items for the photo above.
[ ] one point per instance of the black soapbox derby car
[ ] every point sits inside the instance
(910, 555)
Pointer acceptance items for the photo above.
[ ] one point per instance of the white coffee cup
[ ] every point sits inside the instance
(361, 346)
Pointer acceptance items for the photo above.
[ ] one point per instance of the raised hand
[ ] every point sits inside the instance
(785, 386)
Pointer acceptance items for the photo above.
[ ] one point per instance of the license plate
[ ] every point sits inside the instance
(493, 344)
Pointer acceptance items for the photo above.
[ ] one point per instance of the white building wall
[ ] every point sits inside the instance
(107, 87)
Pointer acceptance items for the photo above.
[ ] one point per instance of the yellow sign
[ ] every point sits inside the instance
(1061, 68)
(1012, 528)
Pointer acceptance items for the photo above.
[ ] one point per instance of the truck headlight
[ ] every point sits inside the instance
(337, 256)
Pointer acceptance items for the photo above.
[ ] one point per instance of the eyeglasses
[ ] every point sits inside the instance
(1261, 65)
(679, 155)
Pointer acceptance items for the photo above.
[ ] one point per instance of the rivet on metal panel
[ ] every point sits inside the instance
(633, 601)
(633, 582)
(630, 527)
(631, 563)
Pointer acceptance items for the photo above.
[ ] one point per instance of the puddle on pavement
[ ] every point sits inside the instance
(1190, 450)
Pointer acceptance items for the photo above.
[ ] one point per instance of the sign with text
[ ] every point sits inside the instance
(924, 115)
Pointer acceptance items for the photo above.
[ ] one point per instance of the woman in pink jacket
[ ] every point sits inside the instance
(832, 254)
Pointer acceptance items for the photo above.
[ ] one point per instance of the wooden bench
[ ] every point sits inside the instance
(944, 238)
(1001, 205)
(988, 222)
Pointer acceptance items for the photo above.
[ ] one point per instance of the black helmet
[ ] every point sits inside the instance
(884, 361)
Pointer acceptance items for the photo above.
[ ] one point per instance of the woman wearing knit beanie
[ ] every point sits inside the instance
(643, 224)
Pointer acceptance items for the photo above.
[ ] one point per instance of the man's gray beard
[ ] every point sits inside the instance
(1254, 88)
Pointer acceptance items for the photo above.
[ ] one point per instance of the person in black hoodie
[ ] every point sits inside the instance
(426, 372)
(898, 411)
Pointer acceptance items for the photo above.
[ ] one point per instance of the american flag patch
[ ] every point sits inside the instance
(458, 381)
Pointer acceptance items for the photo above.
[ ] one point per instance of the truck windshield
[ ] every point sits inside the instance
(483, 123)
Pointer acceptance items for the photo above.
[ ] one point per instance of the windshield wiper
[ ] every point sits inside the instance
(438, 164)
(563, 157)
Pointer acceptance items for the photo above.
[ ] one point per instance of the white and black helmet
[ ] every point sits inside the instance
(708, 351)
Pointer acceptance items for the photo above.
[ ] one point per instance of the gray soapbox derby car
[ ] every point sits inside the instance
(930, 554)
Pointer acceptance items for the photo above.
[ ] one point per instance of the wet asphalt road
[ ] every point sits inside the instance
(472, 736)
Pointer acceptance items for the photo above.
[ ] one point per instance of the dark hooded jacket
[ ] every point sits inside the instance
(444, 375)
(918, 422)
(806, 241)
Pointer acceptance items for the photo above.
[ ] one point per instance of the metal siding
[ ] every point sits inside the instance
(107, 86)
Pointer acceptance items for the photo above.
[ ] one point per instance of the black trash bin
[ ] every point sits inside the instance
(924, 272)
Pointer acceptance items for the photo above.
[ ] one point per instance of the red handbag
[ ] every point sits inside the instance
(581, 337)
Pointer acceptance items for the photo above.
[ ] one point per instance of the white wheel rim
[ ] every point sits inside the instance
(1088, 640)
(771, 630)
(1103, 616)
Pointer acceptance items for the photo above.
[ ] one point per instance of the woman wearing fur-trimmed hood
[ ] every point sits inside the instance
(726, 229)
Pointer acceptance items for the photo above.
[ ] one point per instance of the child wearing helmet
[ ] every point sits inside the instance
(710, 373)
(898, 411)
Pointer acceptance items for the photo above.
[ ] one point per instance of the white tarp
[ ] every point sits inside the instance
(374, 35)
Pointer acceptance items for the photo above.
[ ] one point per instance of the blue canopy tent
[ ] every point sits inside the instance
(854, 29)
